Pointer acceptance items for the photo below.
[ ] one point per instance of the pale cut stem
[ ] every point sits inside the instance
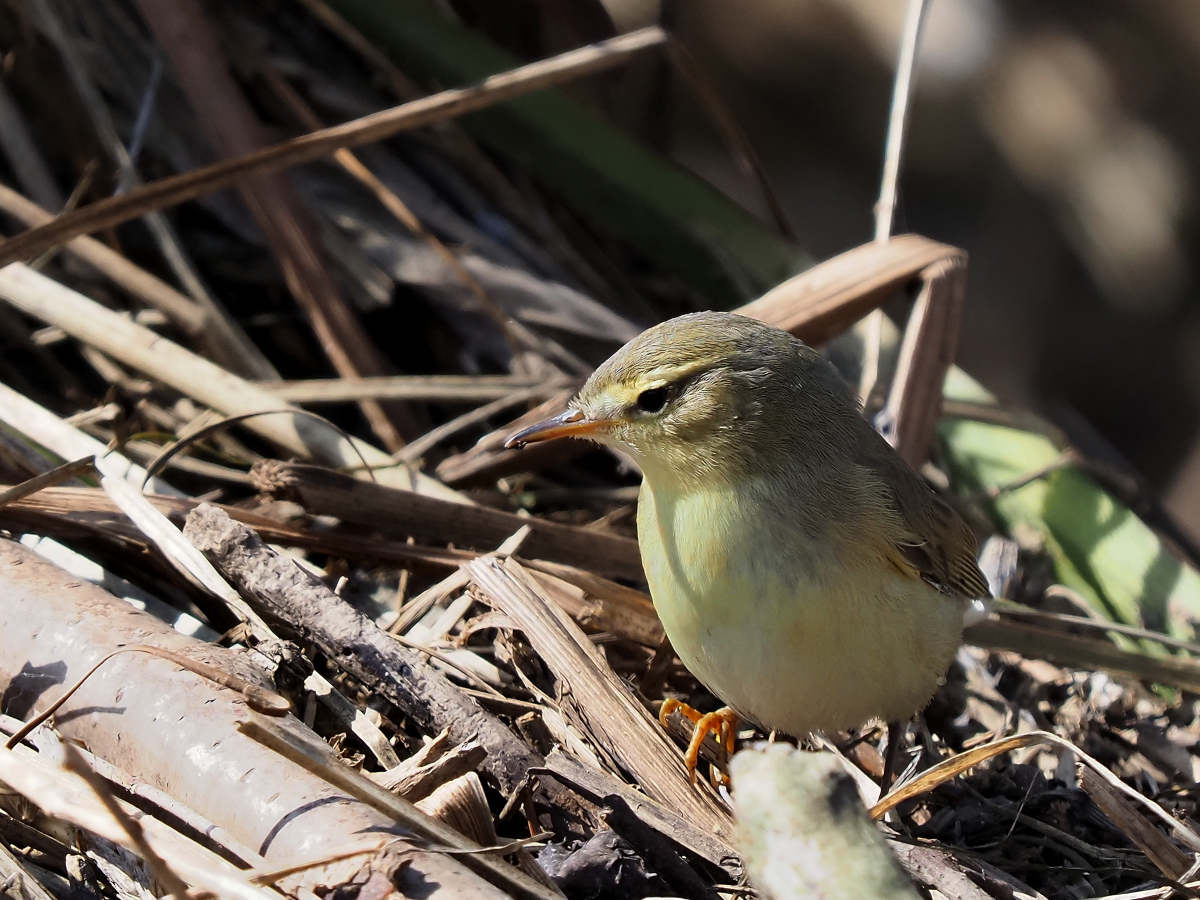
(898, 117)
(893, 150)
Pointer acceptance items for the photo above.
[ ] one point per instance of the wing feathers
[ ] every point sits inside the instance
(939, 544)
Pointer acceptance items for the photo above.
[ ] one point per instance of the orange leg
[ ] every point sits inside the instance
(722, 723)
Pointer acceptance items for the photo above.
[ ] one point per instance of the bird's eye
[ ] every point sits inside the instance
(652, 400)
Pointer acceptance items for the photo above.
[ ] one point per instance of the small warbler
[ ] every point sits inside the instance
(802, 571)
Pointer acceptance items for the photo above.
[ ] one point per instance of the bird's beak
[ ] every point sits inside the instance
(571, 423)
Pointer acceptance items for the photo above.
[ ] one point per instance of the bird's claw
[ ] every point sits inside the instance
(722, 724)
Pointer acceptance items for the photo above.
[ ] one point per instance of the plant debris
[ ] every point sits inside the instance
(261, 437)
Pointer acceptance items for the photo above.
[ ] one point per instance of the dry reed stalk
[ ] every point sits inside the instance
(401, 514)
(600, 704)
(426, 388)
(226, 117)
(914, 403)
(377, 126)
(196, 377)
(71, 511)
(824, 301)
(317, 758)
(66, 796)
(184, 313)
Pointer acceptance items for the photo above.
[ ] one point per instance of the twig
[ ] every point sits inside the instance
(185, 558)
(185, 313)
(428, 388)
(898, 117)
(351, 640)
(324, 492)
(1103, 626)
(441, 657)
(190, 374)
(55, 476)
(318, 759)
(1076, 651)
(233, 348)
(435, 436)
(70, 511)
(19, 882)
(166, 454)
(163, 873)
(885, 206)
(743, 151)
(490, 459)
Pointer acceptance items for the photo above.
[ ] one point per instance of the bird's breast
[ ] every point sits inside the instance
(696, 542)
(772, 611)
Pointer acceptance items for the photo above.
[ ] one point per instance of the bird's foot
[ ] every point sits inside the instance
(722, 723)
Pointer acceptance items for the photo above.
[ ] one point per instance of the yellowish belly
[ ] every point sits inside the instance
(781, 627)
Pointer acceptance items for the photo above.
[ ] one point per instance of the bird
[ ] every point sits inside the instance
(802, 571)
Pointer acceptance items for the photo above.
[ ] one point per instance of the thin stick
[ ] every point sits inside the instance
(1020, 611)
(735, 137)
(57, 475)
(425, 388)
(183, 312)
(886, 206)
(165, 456)
(150, 353)
(74, 762)
(465, 673)
(898, 118)
(432, 438)
(310, 147)
(307, 118)
(226, 337)
(956, 765)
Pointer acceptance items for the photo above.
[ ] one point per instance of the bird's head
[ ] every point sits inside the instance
(699, 397)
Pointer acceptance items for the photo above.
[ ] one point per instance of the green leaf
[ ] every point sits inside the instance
(1099, 546)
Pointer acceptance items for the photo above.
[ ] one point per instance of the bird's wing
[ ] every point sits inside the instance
(939, 544)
